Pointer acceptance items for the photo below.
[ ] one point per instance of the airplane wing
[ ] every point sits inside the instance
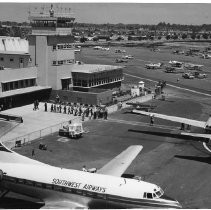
(195, 123)
(200, 135)
(9, 156)
(118, 165)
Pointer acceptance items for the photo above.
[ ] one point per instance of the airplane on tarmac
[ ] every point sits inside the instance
(191, 66)
(206, 125)
(176, 63)
(153, 65)
(66, 188)
(141, 106)
(205, 56)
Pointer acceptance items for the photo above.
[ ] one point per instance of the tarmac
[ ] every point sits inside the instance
(37, 124)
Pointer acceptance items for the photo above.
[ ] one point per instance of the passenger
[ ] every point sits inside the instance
(182, 126)
(69, 112)
(54, 107)
(152, 120)
(33, 152)
(84, 169)
(46, 106)
(106, 113)
(51, 107)
(65, 109)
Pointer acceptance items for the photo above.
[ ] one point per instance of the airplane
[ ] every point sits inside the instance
(206, 125)
(120, 51)
(97, 48)
(153, 66)
(176, 63)
(66, 188)
(121, 60)
(127, 57)
(141, 106)
(191, 66)
(205, 56)
(176, 70)
(178, 52)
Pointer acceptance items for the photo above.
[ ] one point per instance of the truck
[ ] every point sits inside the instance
(74, 130)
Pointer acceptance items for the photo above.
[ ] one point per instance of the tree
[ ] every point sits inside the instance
(168, 37)
(198, 36)
(193, 36)
(205, 36)
(175, 36)
(184, 36)
(83, 39)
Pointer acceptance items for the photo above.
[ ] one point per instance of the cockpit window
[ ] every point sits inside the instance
(149, 195)
(158, 193)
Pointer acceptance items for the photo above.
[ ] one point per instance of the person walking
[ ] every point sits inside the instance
(152, 120)
(46, 106)
(65, 109)
(69, 112)
(51, 107)
(106, 113)
(37, 104)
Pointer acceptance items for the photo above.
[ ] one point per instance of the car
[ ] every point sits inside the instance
(199, 75)
(188, 76)
(121, 60)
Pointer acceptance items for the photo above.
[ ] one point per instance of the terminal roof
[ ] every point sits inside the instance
(93, 68)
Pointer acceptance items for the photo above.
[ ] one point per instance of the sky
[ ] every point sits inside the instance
(137, 13)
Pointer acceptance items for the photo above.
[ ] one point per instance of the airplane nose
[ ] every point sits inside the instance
(174, 203)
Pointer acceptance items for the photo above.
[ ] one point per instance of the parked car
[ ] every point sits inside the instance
(188, 76)
(199, 75)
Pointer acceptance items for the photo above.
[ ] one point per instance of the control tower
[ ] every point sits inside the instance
(51, 47)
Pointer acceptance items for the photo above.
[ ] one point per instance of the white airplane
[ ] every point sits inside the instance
(192, 66)
(176, 63)
(97, 48)
(205, 56)
(153, 65)
(66, 188)
(206, 125)
(127, 57)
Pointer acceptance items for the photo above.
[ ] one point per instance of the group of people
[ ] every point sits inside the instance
(90, 111)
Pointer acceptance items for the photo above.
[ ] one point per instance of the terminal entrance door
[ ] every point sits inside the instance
(21, 62)
(66, 83)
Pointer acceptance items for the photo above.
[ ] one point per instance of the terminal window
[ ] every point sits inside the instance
(1, 59)
(18, 84)
(11, 59)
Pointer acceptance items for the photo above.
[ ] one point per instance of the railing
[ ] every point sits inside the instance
(7, 129)
(39, 134)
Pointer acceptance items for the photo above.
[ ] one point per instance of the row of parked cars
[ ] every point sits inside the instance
(192, 75)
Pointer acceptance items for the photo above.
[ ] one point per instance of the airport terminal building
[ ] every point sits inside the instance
(45, 66)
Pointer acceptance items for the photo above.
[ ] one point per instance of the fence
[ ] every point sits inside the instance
(37, 134)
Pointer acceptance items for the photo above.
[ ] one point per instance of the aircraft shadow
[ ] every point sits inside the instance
(14, 203)
(199, 159)
(171, 135)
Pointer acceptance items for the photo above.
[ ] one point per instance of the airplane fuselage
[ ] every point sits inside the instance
(82, 189)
